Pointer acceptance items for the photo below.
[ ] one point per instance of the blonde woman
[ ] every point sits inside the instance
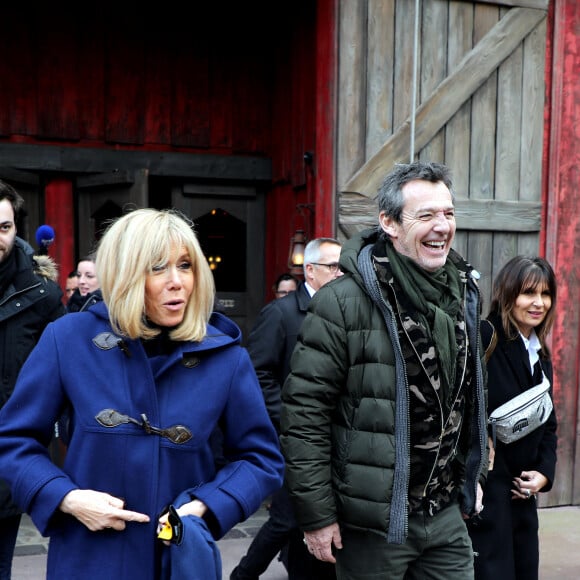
(148, 373)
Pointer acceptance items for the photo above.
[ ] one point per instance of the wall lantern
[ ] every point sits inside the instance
(296, 255)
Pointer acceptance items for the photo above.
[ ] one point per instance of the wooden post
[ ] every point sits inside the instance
(562, 232)
(59, 213)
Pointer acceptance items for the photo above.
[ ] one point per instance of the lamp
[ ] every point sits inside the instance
(297, 246)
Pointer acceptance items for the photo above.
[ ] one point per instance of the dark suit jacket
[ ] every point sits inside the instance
(272, 341)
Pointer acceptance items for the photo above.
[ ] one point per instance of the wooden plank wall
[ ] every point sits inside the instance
(479, 105)
(115, 76)
(234, 80)
(472, 112)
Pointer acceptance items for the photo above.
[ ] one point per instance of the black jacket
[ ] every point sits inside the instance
(78, 303)
(29, 303)
(272, 341)
(508, 376)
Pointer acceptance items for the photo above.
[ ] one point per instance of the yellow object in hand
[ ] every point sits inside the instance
(165, 531)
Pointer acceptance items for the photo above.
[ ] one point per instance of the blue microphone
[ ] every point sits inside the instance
(44, 238)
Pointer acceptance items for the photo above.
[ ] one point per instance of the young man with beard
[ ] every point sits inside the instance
(30, 298)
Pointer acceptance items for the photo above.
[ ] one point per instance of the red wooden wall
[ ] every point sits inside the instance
(561, 232)
(235, 79)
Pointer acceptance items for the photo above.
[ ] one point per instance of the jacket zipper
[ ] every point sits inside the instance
(18, 293)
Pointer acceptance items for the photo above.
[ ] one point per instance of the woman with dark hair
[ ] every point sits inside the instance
(505, 536)
(87, 292)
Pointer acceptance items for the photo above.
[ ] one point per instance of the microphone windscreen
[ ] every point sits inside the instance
(44, 236)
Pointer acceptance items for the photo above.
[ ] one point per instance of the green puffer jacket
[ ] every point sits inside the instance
(345, 415)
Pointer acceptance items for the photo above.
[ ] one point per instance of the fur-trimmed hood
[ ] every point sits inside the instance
(46, 267)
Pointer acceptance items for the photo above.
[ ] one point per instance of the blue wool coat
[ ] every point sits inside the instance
(197, 385)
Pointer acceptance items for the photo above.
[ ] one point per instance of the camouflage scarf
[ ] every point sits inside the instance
(436, 297)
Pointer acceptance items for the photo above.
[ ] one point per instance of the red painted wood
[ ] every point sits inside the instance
(125, 88)
(59, 212)
(563, 233)
(325, 118)
(190, 120)
(148, 81)
(58, 117)
(221, 95)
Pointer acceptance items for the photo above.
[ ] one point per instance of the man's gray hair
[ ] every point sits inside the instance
(312, 250)
(390, 193)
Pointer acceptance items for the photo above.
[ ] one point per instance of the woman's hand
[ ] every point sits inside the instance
(98, 510)
(528, 484)
(191, 508)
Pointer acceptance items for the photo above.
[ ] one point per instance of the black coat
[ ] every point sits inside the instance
(505, 537)
(78, 303)
(272, 341)
(28, 304)
(509, 375)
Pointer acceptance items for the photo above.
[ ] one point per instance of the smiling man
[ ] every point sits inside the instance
(383, 422)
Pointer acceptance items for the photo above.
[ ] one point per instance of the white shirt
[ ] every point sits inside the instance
(532, 346)
(310, 289)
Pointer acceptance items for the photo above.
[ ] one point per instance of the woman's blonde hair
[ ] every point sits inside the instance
(129, 250)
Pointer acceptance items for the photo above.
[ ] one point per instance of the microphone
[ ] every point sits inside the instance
(44, 238)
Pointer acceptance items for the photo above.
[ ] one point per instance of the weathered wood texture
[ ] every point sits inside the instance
(111, 77)
(479, 98)
(479, 95)
(562, 235)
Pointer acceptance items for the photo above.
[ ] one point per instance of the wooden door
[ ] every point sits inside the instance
(102, 197)
(229, 222)
(459, 82)
(478, 90)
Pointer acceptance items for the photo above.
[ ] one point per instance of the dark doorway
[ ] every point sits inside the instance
(223, 241)
(229, 221)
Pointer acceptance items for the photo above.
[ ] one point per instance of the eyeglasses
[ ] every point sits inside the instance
(177, 434)
(332, 267)
(284, 292)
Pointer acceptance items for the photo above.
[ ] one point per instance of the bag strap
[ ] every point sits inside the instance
(488, 337)
(489, 341)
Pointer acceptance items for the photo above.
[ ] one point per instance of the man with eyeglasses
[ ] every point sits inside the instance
(383, 418)
(270, 345)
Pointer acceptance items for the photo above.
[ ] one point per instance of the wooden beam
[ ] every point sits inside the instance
(541, 4)
(448, 97)
(487, 215)
(18, 176)
(25, 157)
(359, 212)
(326, 74)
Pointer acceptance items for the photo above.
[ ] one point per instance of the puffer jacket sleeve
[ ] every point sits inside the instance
(310, 394)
